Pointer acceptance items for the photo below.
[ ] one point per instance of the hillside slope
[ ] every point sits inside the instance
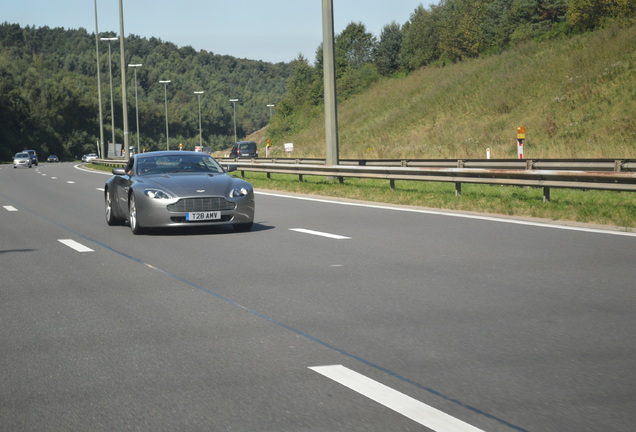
(576, 98)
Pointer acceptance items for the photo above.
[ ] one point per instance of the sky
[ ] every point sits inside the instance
(269, 30)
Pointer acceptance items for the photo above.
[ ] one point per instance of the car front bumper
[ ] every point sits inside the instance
(157, 213)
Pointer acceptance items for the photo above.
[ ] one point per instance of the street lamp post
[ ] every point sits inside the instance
(99, 90)
(165, 92)
(234, 101)
(270, 111)
(135, 66)
(199, 93)
(122, 62)
(112, 104)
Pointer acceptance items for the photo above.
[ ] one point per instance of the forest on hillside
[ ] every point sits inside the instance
(48, 76)
(49, 97)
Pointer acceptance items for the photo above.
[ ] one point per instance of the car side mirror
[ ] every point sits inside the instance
(119, 171)
(231, 168)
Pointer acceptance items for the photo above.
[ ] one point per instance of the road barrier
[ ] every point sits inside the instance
(600, 174)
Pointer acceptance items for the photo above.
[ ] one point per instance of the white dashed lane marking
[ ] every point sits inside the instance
(417, 411)
(321, 234)
(75, 245)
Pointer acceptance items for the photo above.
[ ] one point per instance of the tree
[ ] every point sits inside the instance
(387, 51)
(420, 44)
(354, 47)
(587, 15)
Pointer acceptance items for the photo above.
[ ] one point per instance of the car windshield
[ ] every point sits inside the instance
(21, 155)
(177, 164)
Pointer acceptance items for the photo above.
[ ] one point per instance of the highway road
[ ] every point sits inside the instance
(327, 316)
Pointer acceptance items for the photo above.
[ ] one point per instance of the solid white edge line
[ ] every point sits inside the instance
(75, 245)
(79, 167)
(318, 233)
(459, 215)
(417, 411)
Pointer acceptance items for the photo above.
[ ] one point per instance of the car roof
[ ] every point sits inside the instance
(169, 153)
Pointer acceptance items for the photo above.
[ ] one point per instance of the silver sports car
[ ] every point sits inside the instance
(177, 188)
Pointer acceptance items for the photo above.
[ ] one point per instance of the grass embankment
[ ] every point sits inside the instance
(576, 98)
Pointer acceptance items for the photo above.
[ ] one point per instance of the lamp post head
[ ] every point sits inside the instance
(135, 65)
(233, 100)
(199, 92)
(109, 39)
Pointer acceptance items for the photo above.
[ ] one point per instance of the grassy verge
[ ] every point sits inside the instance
(597, 207)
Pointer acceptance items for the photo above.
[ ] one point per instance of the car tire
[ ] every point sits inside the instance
(133, 218)
(111, 219)
(243, 227)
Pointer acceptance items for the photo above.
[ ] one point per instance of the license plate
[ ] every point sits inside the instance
(201, 216)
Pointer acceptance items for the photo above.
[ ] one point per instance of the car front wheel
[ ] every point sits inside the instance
(133, 218)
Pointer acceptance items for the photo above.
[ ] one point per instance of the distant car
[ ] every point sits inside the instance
(53, 158)
(33, 155)
(22, 159)
(175, 189)
(244, 149)
(89, 157)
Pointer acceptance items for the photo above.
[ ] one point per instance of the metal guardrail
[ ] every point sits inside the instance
(614, 165)
(598, 174)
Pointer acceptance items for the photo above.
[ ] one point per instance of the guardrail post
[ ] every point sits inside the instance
(529, 164)
(458, 189)
(546, 194)
(300, 178)
(392, 184)
(618, 165)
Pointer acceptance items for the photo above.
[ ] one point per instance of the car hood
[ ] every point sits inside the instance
(186, 185)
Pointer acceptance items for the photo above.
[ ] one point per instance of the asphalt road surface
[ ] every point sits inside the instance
(327, 316)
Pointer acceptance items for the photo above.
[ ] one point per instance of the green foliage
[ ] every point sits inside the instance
(387, 50)
(421, 38)
(354, 47)
(590, 14)
(48, 92)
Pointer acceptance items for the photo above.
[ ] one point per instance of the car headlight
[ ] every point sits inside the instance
(156, 194)
(239, 192)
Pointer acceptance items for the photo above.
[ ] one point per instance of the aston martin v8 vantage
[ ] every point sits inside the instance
(177, 188)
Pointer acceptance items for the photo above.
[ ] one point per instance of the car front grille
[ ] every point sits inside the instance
(201, 204)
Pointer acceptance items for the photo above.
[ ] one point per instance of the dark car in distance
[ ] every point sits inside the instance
(244, 149)
(33, 155)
